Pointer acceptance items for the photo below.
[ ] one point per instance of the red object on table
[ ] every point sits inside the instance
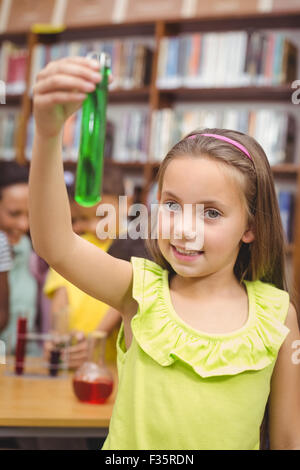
(21, 345)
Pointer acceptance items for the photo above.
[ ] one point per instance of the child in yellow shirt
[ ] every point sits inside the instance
(85, 313)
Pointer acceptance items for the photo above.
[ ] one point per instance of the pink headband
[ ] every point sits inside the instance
(226, 139)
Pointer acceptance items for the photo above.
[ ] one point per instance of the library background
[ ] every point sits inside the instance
(177, 65)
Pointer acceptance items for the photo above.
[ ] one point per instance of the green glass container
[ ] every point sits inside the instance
(89, 172)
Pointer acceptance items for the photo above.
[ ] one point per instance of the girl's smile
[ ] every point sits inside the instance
(185, 255)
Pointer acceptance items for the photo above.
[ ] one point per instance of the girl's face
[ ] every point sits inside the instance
(191, 181)
(14, 218)
(85, 219)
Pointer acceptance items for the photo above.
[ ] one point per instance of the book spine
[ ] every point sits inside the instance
(172, 62)
(269, 59)
(286, 203)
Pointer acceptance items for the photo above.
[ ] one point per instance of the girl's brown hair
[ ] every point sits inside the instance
(264, 258)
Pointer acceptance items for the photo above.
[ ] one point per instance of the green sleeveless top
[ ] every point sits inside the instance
(183, 389)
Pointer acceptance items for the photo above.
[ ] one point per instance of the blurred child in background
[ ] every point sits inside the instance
(86, 313)
(5, 266)
(14, 222)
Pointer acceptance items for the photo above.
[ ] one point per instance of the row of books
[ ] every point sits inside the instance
(190, 60)
(226, 59)
(127, 132)
(128, 138)
(13, 64)
(273, 130)
(131, 59)
(126, 135)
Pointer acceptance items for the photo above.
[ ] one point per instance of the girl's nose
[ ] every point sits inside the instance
(184, 231)
(189, 234)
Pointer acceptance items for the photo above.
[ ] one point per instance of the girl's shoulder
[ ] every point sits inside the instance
(269, 299)
(148, 277)
(166, 338)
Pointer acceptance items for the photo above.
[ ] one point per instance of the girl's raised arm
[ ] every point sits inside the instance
(60, 90)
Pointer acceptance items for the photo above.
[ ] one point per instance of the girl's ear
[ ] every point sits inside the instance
(249, 235)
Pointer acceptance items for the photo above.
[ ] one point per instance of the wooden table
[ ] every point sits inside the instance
(35, 406)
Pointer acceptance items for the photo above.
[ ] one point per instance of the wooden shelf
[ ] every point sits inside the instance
(286, 169)
(126, 165)
(17, 38)
(280, 93)
(234, 22)
(111, 162)
(135, 95)
(13, 100)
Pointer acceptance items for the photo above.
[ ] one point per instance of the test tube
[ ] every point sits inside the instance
(54, 362)
(92, 140)
(21, 345)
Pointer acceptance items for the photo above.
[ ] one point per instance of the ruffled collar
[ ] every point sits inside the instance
(196, 332)
(166, 338)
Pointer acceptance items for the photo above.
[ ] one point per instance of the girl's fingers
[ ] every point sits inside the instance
(70, 68)
(55, 65)
(59, 97)
(73, 359)
(91, 63)
(60, 82)
(77, 349)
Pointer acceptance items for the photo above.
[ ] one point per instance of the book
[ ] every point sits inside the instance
(286, 207)
(8, 125)
(13, 67)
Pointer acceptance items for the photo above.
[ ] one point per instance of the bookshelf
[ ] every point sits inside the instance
(138, 22)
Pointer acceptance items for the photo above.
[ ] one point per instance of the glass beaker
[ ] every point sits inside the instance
(93, 382)
(61, 339)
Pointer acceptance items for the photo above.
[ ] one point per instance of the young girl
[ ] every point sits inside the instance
(207, 335)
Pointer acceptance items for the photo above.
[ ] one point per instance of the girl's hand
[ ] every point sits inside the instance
(76, 354)
(73, 355)
(60, 89)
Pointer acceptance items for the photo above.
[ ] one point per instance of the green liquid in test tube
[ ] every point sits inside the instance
(92, 140)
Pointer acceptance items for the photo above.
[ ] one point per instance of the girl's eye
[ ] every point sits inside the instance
(14, 214)
(172, 206)
(214, 212)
